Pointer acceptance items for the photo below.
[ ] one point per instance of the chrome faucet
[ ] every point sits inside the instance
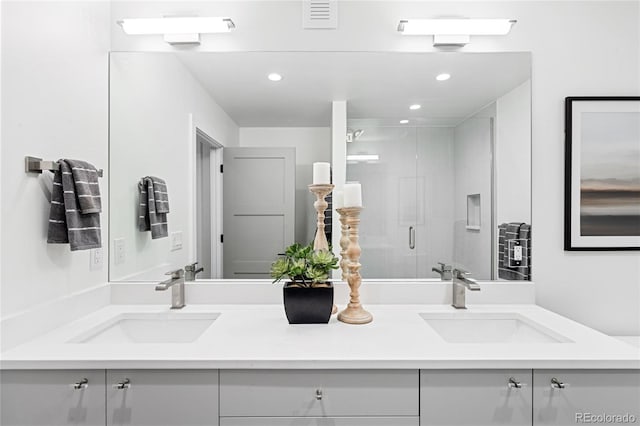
(444, 271)
(190, 271)
(461, 282)
(176, 282)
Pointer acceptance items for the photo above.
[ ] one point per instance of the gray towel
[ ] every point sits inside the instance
(508, 268)
(160, 194)
(85, 177)
(70, 220)
(149, 217)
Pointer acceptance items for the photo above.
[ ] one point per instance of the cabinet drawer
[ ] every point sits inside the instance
(319, 421)
(162, 397)
(475, 397)
(321, 393)
(48, 398)
(585, 393)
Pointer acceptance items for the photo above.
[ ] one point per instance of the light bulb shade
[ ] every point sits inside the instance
(177, 25)
(455, 26)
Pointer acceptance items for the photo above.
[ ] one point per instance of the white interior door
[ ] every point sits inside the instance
(259, 209)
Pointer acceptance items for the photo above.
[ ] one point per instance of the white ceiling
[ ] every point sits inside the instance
(376, 85)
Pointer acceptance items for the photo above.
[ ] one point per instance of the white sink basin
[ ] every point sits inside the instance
(467, 327)
(172, 327)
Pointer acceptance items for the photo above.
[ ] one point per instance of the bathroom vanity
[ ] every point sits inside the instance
(243, 365)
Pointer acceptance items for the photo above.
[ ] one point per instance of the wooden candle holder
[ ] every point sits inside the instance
(321, 191)
(320, 241)
(344, 243)
(354, 313)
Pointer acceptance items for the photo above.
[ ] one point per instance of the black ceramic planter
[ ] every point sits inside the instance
(308, 305)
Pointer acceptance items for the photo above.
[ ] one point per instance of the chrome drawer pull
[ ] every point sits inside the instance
(514, 384)
(557, 384)
(125, 384)
(82, 384)
(319, 394)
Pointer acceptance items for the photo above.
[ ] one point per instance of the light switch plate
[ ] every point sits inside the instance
(176, 241)
(118, 251)
(95, 259)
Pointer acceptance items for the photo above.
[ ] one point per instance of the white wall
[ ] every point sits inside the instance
(54, 105)
(312, 144)
(153, 97)
(578, 48)
(513, 155)
(472, 164)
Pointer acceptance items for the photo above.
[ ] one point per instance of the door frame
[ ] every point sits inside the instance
(197, 132)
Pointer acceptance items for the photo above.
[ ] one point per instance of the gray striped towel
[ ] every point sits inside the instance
(74, 216)
(153, 206)
(508, 268)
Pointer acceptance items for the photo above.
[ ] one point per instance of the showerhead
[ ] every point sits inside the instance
(353, 135)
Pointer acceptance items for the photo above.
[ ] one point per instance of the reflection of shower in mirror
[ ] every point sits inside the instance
(354, 135)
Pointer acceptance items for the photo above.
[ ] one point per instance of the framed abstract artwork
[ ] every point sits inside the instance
(602, 173)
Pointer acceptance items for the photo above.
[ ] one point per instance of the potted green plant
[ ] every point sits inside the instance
(308, 294)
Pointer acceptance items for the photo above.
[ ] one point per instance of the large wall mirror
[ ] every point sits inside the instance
(448, 183)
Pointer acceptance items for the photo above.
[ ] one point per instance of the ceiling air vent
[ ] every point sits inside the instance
(319, 14)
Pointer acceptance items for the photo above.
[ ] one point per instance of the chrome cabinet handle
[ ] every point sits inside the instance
(82, 384)
(319, 394)
(557, 384)
(514, 384)
(412, 238)
(125, 384)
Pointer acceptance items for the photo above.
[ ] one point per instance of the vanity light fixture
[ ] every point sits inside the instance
(363, 157)
(178, 29)
(274, 76)
(404, 121)
(455, 32)
(443, 77)
(415, 107)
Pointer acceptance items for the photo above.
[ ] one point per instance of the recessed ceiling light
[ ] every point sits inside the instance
(415, 106)
(443, 77)
(404, 121)
(274, 76)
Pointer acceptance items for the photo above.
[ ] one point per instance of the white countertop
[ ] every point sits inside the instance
(258, 336)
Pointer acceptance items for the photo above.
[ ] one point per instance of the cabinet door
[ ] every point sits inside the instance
(318, 393)
(475, 397)
(319, 421)
(52, 398)
(583, 395)
(162, 397)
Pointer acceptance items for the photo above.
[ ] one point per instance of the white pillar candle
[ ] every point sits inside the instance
(338, 199)
(352, 195)
(321, 173)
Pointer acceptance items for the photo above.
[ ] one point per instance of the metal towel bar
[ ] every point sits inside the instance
(38, 165)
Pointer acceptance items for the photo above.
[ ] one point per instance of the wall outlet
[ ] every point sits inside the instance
(95, 259)
(517, 253)
(176, 241)
(118, 251)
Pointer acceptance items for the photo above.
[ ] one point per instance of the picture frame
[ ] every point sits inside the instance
(602, 173)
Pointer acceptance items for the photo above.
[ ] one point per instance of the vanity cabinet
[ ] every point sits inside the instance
(475, 397)
(319, 421)
(162, 397)
(52, 398)
(575, 395)
(318, 397)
